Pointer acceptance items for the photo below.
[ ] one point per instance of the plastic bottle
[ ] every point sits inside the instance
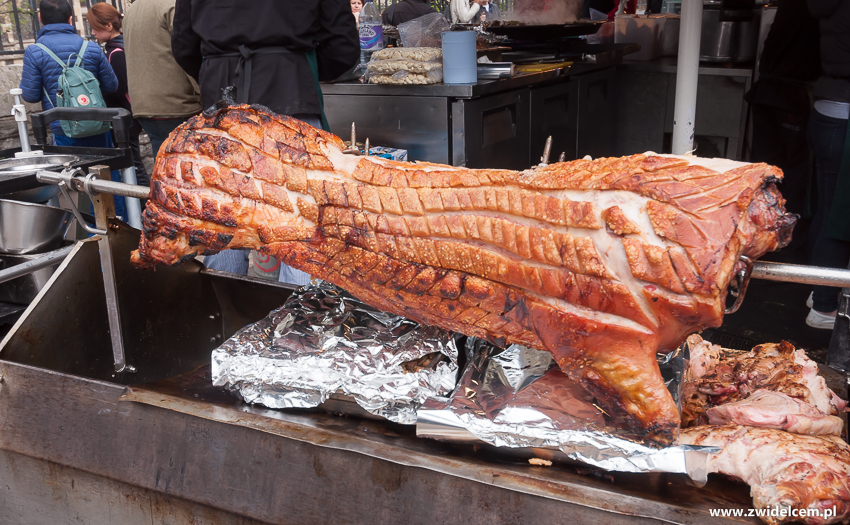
(371, 32)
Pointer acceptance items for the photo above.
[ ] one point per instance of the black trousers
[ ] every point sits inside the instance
(779, 139)
(826, 137)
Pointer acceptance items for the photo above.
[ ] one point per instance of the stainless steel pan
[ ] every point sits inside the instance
(27, 228)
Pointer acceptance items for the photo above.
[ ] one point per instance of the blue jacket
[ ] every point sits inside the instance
(42, 72)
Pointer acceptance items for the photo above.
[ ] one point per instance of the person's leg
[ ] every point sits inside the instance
(233, 261)
(288, 274)
(826, 138)
(159, 129)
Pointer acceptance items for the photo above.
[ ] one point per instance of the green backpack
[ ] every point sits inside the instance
(78, 88)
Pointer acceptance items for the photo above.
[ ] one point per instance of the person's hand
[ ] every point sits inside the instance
(483, 15)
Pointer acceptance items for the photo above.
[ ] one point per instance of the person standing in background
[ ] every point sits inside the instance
(40, 78)
(406, 10)
(781, 103)
(830, 143)
(275, 55)
(356, 7)
(489, 11)
(464, 11)
(163, 95)
(105, 22)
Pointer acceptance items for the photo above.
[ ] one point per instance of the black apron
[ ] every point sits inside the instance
(243, 72)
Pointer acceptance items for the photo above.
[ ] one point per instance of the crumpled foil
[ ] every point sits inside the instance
(323, 341)
(517, 398)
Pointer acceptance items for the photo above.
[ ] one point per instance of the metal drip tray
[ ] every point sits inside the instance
(14, 167)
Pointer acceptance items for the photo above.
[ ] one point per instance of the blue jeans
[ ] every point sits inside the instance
(236, 261)
(826, 139)
(103, 140)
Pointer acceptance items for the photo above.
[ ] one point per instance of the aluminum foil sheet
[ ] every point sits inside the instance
(518, 398)
(323, 341)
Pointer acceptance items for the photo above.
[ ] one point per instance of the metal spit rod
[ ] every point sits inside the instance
(789, 273)
(43, 261)
(78, 181)
(796, 273)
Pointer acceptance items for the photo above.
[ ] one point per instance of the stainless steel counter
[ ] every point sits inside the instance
(668, 65)
(480, 89)
(645, 104)
(491, 124)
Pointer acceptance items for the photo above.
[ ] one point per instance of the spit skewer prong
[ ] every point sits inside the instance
(547, 150)
(352, 148)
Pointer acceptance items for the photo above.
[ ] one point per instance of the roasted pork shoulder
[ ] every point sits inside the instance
(601, 262)
(785, 471)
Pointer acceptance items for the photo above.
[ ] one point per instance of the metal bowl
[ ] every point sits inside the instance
(41, 193)
(31, 228)
(29, 165)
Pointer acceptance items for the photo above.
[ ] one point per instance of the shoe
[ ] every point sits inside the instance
(810, 301)
(821, 321)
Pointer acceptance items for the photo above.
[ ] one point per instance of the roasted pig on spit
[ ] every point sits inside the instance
(601, 262)
(772, 386)
(785, 471)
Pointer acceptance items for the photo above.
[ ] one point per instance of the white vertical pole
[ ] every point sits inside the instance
(687, 74)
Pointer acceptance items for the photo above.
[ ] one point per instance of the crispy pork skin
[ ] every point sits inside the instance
(601, 262)
(784, 470)
(772, 386)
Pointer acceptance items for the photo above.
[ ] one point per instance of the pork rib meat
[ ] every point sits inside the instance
(601, 262)
(773, 386)
(785, 471)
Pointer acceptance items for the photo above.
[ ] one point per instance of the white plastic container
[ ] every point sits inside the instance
(459, 63)
(646, 31)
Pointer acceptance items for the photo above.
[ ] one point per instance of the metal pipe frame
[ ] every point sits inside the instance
(796, 273)
(687, 77)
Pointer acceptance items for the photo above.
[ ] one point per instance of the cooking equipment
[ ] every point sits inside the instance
(21, 183)
(16, 168)
(29, 165)
(495, 70)
(27, 228)
(729, 31)
(54, 437)
(537, 32)
(19, 165)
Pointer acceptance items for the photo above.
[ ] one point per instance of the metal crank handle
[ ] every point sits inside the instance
(76, 180)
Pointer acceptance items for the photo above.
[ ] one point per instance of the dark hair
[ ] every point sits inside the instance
(55, 11)
(101, 14)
